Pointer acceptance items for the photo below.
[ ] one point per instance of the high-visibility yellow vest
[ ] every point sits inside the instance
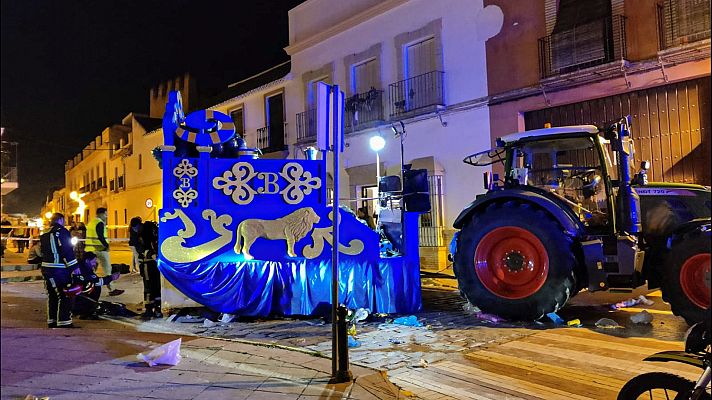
(92, 242)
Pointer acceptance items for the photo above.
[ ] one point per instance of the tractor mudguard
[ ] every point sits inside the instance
(696, 360)
(559, 210)
(689, 226)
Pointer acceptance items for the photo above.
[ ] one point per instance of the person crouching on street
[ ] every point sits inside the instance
(86, 305)
(58, 262)
(96, 242)
(148, 251)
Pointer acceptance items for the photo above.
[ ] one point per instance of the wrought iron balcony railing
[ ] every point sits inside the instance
(363, 109)
(271, 139)
(683, 21)
(418, 93)
(306, 126)
(593, 43)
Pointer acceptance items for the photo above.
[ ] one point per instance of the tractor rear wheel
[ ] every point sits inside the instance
(686, 283)
(515, 261)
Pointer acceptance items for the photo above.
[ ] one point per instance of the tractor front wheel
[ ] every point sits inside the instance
(686, 283)
(515, 261)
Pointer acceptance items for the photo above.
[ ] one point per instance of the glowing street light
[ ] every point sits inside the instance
(78, 198)
(377, 143)
(48, 214)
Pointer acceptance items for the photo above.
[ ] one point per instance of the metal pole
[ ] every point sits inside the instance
(335, 242)
(378, 178)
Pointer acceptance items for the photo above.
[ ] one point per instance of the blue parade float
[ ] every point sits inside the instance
(252, 237)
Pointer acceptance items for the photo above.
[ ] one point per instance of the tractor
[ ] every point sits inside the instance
(570, 214)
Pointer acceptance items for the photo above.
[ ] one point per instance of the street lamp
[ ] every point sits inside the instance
(377, 144)
(48, 214)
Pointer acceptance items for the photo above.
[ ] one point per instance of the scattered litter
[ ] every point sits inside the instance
(395, 341)
(316, 323)
(189, 319)
(607, 323)
(226, 318)
(353, 342)
(208, 323)
(421, 364)
(172, 318)
(642, 317)
(470, 308)
(626, 304)
(360, 315)
(554, 317)
(408, 321)
(574, 323)
(31, 397)
(352, 330)
(645, 300)
(495, 319)
(168, 354)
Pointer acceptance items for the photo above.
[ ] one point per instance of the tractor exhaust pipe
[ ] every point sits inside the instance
(627, 202)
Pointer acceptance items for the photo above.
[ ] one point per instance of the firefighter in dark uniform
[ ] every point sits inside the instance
(86, 305)
(148, 252)
(58, 262)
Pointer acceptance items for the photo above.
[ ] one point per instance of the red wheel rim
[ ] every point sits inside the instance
(511, 262)
(695, 279)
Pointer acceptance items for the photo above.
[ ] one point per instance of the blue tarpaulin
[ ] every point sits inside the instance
(301, 287)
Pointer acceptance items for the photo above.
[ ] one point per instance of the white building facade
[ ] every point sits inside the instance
(419, 62)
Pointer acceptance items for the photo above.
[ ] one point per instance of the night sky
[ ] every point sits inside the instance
(71, 68)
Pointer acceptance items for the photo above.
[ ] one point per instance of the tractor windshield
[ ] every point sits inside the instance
(570, 168)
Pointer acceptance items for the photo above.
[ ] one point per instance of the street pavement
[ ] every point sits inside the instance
(99, 361)
(455, 354)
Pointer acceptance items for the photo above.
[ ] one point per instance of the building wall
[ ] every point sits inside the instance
(461, 53)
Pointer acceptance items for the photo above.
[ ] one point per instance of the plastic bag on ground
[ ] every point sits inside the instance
(360, 315)
(226, 318)
(642, 317)
(607, 323)
(353, 342)
(554, 317)
(495, 319)
(208, 323)
(408, 321)
(645, 300)
(167, 354)
(626, 304)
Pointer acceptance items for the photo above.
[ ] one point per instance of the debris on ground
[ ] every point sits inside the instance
(645, 300)
(554, 317)
(408, 321)
(495, 319)
(360, 315)
(574, 323)
(31, 397)
(471, 308)
(421, 364)
(168, 354)
(352, 330)
(189, 319)
(642, 317)
(353, 342)
(626, 304)
(607, 323)
(208, 323)
(226, 318)
(395, 341)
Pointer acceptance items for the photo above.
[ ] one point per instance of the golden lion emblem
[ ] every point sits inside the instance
(291, 228)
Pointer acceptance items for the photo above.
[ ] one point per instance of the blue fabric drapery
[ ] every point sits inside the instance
(301, 287)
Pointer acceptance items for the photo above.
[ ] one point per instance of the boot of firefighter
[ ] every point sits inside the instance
(157, 308)
(148, 312)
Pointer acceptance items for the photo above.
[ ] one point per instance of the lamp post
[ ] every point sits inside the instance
(377, 143)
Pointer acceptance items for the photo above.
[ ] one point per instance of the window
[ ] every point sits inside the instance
(274, 114)
(139, 161)
(238, 118)
(126, 216)
(364, 76)
(432, 222)
(312, 89)
(420, 58)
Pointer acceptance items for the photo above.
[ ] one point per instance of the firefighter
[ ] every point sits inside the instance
(148, 251)
(58, 261)
(86, 305)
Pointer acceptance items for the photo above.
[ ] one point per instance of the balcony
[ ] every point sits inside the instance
(417, 95)
(306, 126)
(594, 43)
(683, 21)
(271, 138)
(364, 110)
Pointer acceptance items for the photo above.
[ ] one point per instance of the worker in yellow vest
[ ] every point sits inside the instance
(96, 241)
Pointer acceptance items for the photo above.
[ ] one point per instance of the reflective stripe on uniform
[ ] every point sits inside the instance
(55, 265)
